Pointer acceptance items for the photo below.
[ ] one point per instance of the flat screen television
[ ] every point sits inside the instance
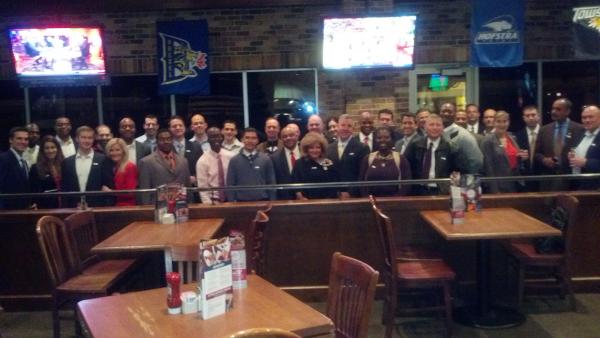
(58, 54)
(369, 42)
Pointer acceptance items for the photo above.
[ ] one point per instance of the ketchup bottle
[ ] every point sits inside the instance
(173, 295)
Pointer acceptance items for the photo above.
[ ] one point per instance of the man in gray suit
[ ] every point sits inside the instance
(162, 167)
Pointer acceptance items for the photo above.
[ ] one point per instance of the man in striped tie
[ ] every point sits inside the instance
(212, 168)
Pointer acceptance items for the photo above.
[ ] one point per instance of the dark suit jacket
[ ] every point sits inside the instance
(141, 150)
(13, 180)
(43, 183)
(445, 159)
(193, 151)
(592, 166)
(544, 147)
(523, 141)
(282, 174)
(70, 182)
(349, 166)
(495, 164)
(262, 147)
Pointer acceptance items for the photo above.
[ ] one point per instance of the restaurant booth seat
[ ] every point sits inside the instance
(351, 294)
(74, 279)
(411, 275)
(546, 270)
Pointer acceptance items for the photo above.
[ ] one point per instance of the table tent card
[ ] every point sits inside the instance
(465, 195)
(171, 203)
(215, 281)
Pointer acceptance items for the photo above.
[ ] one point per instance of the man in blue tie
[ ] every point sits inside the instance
(14, 172)
(553, 144)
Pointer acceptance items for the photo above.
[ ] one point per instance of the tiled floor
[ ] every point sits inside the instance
(546, 317)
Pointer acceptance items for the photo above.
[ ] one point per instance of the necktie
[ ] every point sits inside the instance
(366, 140)
(292, 160)
(532, 139)
(221, 178)
(170, 158)
(427, 161)
(559, 141)
(25, 168)
(180, 148)
(340, 150)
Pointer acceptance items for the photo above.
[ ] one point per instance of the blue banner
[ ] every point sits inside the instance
(497, 33)
(183, 57)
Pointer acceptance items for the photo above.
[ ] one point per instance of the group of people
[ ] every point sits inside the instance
(425, 146)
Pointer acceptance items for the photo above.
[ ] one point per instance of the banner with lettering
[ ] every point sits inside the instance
(586, 32)
(497, 33)
(183, 57)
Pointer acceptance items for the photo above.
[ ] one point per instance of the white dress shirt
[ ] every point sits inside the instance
(434, 147)
(67, 147)
(207, 172)
(233, 148)
(30, 155)
(473, 128)
(83, 166)
(132, 152)
(583, 146)
(342, 146)
(288, 156)
(361, 138)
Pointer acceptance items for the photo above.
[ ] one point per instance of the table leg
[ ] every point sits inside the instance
(485, 315)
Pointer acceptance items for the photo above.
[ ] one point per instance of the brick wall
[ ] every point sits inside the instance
(290, 37)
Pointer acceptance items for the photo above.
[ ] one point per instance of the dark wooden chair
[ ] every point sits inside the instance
(407, 252)
(411, 275)
(546, 270)
(351, 293)
(264, 332)
(183, 260)
(256, 245)
(72, 283)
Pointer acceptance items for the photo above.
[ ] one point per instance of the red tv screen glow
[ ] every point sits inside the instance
(57, 51)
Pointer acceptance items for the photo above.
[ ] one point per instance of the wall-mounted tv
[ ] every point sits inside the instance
(369, 42)
(73, 55)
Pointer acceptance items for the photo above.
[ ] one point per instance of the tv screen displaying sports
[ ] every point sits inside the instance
(46, 52)
(369, 42)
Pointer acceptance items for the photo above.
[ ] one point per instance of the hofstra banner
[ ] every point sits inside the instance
(586, 30)
(183, 57)
(497, 33)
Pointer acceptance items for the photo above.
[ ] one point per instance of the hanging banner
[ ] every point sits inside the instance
(183, 57)
(497, 33)
(586, 32)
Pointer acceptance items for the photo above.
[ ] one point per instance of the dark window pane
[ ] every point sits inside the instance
(12, 113)
(576, 80)
(288, 95)
(224, 103)
(134, 96)
(77, 103)
(508, 89)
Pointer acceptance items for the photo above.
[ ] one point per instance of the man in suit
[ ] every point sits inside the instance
(315, 124)
(284, 159)
(385, 118)
(137, 150)
(473, 124)
(150, 128)
(347, 153)
(272, 143)
(103, 135)
(367, 126)
(191, 151)
(526, 138)
(14, 171)
(422, 115)
(585, 158)
(409, 129)
(31, 153)
(198, 125)
(432, 157)
(62, 127)
(553, 144)
(83, 171)
(488, 121)
(163, 166)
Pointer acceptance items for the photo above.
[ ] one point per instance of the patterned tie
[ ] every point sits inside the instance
(427, 161)
(292, 160)
(559, 141)
(221, 178)
(25, 168)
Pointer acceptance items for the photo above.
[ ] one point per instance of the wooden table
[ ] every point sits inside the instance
(485, 226)
(144, 314)
(150, 236)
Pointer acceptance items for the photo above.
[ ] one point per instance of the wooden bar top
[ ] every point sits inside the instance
(144, 314)
(493, 223)
(150, 236)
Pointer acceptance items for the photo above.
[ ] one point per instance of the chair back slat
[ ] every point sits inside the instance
(55, 248)
(185, 261)
(256, 245)
(83, 234)
(351, 293)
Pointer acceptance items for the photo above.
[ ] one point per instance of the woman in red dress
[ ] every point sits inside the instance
(125, 173)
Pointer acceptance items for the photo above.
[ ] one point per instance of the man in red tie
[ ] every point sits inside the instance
(367, 126)
(284, 159)
(211, 168)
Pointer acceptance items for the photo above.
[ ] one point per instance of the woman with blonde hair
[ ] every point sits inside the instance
(501, 155)
(119, 172)
(313, 167)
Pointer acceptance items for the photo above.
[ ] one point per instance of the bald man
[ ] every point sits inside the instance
(285, 158)
(137, 150)
(315, 124)
(367, 126)
(585, 158)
